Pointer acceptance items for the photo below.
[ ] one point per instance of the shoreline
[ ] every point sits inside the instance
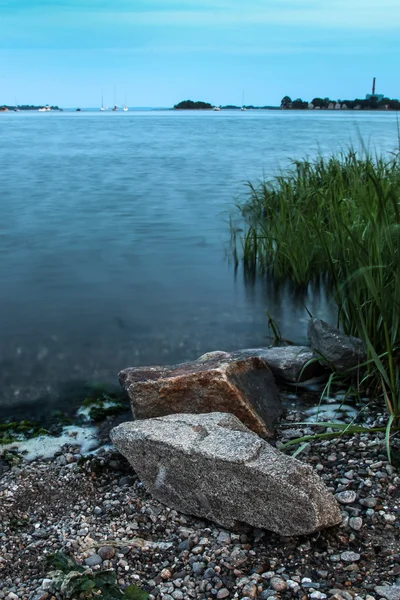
(102, 504)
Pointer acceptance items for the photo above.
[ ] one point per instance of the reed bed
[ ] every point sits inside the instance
(336, 220)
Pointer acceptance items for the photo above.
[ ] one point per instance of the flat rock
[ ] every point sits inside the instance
(390, 592)
(288, 363)
(212, 466)
(244, 387)
(343, 352)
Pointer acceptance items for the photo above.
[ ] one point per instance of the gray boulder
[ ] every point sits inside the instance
(244, 387)
(343, 352)
(287, 363)
(213, 467)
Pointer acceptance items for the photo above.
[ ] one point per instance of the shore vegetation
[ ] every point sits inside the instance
(336, 221)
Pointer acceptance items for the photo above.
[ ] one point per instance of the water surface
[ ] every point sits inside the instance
(114, 236)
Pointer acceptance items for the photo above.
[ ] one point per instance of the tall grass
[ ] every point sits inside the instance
(337, 220)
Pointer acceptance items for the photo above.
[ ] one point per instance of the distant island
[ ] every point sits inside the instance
(190, 105)
(5, 108)
(370, 102)
(198, 105)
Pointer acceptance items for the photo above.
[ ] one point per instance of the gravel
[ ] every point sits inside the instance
(97, 511)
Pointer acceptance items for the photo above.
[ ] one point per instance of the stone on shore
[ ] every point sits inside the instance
(289, 364)
(243, 387)
(212, 466)
(343, 352)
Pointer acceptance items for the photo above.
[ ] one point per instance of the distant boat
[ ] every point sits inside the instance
(115, 108)
(125, 109)
(44, 108)
(102, 107)
(243, 106)
(217, 108)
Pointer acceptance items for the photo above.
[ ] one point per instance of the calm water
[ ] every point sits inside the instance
(114, 237)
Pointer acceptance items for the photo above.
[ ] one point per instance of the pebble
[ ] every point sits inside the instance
(350, 556)
(390, 592)
(356, 523)
(166, 574)
(278, 584)
(250, 590)
(184, 558)
(369, 502)
(346, 497)
(93, 561)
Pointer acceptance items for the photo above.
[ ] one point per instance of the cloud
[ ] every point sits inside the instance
(357, 14)
(336, 14)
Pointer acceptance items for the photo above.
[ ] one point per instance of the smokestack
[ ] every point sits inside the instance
(373, 86)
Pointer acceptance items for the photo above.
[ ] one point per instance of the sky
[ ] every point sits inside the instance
(159, 52)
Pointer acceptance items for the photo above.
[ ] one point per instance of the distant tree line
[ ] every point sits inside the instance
(27, 107)
(371, 103)
(190, 105)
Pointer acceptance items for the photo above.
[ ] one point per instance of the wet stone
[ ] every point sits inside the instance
(93, 561)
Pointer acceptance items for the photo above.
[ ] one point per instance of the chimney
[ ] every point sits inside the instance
(373, 86)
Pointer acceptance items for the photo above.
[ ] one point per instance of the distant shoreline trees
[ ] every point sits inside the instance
(371, 103)
(191, 105)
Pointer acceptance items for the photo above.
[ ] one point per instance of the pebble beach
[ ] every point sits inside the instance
(95, 510)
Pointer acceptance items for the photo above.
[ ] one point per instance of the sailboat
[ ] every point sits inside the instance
(125, 109)
(102, 106)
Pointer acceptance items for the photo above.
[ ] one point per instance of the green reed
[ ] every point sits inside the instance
(336, 220)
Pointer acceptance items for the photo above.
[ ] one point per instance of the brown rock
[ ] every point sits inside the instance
(244, 387)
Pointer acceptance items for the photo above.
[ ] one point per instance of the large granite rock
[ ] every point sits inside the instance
(343, 352)
(244, 387)
(213, 467)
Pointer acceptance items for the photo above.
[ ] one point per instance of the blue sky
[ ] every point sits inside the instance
(66, 52)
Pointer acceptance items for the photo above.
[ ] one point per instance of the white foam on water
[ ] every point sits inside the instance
(46, 446)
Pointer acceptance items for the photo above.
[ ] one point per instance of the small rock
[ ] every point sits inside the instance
(177, 595)
(12, 596)
(346, 497)
(93, 561)
(209, 573)
(166, 573)
(356, 523)
(390, 592)
(224, 538)
(277, 584)
(127, 480)
(250, 590)
(223, 593)
(106, 552)
(47, 584)
(267, 594)
(350, 556)
(369, 502)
